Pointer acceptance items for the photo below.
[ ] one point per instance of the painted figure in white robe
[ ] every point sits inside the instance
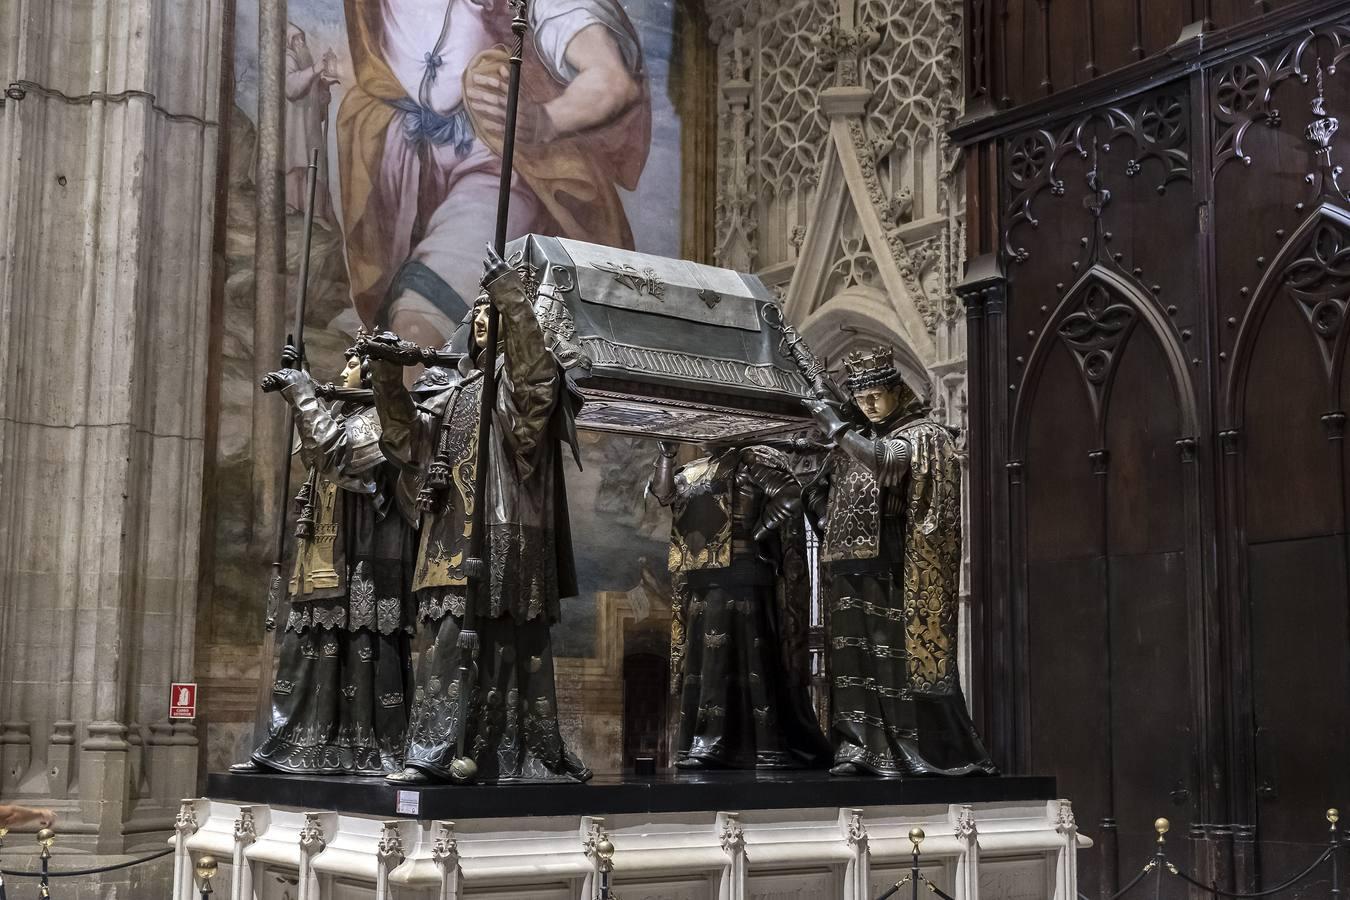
(307, 97)
(419, 137)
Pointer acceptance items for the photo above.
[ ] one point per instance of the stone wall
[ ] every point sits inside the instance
(836, 181)
(108, 154)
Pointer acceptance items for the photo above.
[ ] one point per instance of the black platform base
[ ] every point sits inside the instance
(614, 795)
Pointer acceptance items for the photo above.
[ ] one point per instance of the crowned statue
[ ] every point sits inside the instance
(738, 553)
(505, 718)
(344, 680)
(888, 499)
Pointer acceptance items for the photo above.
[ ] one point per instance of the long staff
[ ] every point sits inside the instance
(476, 567)
(277, 591)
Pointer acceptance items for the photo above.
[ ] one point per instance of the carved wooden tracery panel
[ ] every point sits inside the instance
(1156, 128)
(1096, 334)
(1243, 90)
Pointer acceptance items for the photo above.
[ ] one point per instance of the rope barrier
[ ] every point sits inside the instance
(1326, 854)
(1160, 863)
(98, 871)
(915, 877)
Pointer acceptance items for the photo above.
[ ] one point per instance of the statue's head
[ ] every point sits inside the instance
(876, 384)
(480, 320)
(356, 373)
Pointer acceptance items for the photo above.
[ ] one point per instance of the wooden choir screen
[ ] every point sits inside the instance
(1159, 390)
(1022, 50)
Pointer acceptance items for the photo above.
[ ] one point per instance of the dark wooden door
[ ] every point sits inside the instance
(1158, 354)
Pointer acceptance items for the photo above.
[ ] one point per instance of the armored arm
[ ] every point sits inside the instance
(400, 422)
(887, 457)
(781, 488)
(530, 378)
(662, 484)
(341, 451)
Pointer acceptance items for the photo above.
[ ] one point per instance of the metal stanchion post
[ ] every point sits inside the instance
(1333, 817)
(605, 851)
(206, 870)
(916, 837)
(45, 838)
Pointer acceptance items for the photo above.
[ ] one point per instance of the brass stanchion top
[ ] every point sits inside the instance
(1162, 826)
(206, 867)
(1333, 816)
(46, 837)
(916, 837)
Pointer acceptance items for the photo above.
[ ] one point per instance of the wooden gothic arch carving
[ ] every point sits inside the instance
(1312, 271)
(1094, 321)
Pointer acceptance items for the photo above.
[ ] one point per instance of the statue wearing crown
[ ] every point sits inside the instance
(344, 678)
(485, 706)
(888, 504)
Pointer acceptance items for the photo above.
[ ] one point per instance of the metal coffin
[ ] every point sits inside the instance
(671, 349)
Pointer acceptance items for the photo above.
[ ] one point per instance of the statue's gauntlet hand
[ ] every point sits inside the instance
(389, 347)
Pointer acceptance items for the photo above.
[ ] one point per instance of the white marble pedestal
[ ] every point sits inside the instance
(992, 851)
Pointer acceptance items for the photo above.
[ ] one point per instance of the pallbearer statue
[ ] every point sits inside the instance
(344, 681)
(738, 549)
(889, 498)
(511, 712)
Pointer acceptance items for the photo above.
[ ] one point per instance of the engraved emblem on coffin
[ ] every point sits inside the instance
(672, 349)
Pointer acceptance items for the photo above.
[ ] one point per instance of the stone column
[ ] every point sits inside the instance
(858, 873)
(245, 833)
(109, 139)
(735, 876)
(968, 863)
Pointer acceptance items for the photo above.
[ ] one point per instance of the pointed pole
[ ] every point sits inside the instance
(477, 566)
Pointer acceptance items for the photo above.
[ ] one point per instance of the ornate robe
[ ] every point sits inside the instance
(344, 679)
(892, 554)
(512, 731)
(739, 705)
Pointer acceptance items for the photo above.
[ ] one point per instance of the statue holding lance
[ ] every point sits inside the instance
(482, 475)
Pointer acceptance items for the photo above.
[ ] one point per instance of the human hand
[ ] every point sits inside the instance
(274, 381)
(486, 95)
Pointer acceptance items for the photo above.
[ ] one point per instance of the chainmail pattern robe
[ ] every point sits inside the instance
(738, 706)
(512, 717)
(344, 679)
(891, 553)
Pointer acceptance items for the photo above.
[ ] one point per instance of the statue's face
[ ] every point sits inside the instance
(351, 375)
(877, 403)
(480, 326)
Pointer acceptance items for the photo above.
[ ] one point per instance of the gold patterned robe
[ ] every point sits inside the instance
(892, 556)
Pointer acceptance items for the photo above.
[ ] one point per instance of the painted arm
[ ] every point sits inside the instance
(603, 88)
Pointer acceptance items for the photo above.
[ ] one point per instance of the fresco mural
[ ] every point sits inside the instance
(405, 100)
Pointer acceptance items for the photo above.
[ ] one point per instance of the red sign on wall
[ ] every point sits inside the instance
(182, 701)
